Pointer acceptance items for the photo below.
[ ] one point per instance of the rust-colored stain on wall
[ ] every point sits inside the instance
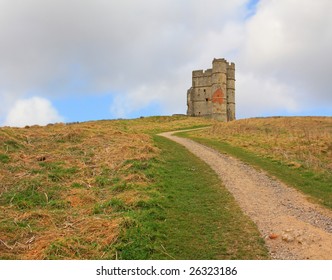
(218, 96)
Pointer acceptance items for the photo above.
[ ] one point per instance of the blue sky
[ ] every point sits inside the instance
(97, 107)
(87, 107)
(252, 7)
(76, 61)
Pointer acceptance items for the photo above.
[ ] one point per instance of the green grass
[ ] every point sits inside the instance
(317, 185)
(12, 145)
(192, 216)
(4, 158)
(56, 172)
(31, 194)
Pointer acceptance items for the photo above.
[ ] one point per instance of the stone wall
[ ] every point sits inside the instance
(213, 92)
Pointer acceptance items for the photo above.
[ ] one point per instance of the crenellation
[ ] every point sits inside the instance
(198, 73)
(213, 91)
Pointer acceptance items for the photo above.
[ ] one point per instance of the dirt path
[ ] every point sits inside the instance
(293, 227)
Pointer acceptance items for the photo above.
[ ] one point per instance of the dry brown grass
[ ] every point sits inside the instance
(61, 186)
(74, 168)
(297, 141)
(164, 123)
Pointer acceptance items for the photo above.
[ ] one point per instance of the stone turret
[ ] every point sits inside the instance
(213, 92)
(231, 92)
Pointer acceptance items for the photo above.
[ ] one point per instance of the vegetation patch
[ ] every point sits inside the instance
(4, 158)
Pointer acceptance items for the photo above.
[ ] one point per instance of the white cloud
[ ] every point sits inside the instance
(113, 43)
(126, 104)
(291, 41)
(144, 51)
(35, 110)
(258, 97)
(56, 47)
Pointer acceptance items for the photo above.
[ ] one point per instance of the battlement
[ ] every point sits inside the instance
(198, 73)
(213, 91)
(231, 65)
(216, 60)
(201, 73)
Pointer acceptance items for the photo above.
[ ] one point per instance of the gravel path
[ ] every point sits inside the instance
(293, 227)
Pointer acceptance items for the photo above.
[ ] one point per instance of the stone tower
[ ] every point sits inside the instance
(213, 92)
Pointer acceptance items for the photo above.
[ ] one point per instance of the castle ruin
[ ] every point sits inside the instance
(213, 92)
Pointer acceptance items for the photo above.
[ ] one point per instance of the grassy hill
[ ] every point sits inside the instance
(115, 190)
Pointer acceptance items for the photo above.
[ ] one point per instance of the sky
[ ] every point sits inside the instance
(80, 60)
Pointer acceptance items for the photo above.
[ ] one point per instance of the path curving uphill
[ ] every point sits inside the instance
(292, 227)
